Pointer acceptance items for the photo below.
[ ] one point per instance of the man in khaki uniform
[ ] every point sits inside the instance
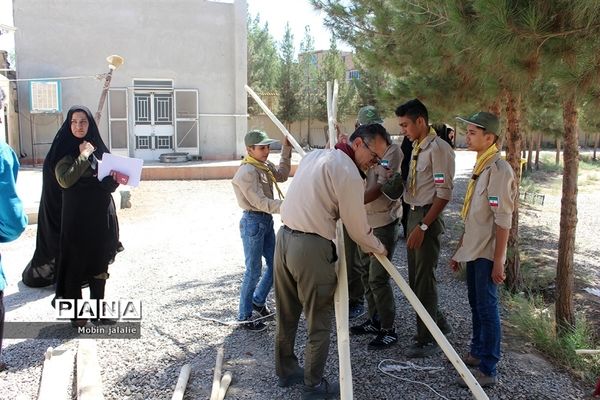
(427, 191)
(253, 185)
(327, 186)
(382, 214)
(487, 214)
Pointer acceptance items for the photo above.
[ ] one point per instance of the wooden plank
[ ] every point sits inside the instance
(56, 374)
(214, 394)
(89, 378)
(225, 382)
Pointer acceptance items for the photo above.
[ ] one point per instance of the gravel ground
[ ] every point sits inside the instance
(183, 258)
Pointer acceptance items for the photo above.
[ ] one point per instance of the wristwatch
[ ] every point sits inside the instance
(423, 226)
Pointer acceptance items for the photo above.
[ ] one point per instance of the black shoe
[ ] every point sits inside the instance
(323, 390)
(386, 338)
(421, 350)
(262, 311)
(294, 379)
(367, 327)
(356, 311)
(252, 325)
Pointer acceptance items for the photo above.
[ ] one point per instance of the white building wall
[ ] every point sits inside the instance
(199, 44)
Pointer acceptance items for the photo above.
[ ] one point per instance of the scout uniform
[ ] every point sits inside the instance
(356, 261)
(489, 202)
(382, 215)
(430, 175)
(253, 186)
(326, 187)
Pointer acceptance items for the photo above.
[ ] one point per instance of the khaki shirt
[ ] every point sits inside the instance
(492, 204)
(328, 186)
(435, 172)
(383, 211)
(254, 190)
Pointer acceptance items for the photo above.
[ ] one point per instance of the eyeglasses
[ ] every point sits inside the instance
(373, 154)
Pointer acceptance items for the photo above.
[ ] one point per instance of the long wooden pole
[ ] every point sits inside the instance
(184, 376)
(214, 394)
(341, 292)
(276, 121)
(439, 337)
(225, 382)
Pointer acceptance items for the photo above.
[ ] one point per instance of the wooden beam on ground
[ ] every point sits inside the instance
(439, 337)
(89, 378)
(184, 376)
(214, 394)
(57, 370)
(587, 351)
(225, 382)
(340, 299)
(276, 121)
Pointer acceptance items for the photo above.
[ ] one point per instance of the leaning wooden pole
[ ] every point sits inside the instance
(341, 292)
(225, 382)
(276, 121)
(439, 337)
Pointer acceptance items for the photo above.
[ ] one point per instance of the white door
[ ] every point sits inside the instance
(153, 127)
(118, 122)
(187, 132)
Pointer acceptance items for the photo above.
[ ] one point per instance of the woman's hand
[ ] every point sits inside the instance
(86, 149)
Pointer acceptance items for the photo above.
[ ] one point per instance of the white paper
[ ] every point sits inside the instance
(132, 167)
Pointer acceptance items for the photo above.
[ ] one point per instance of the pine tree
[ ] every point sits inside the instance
(289, 81)
(308, 79)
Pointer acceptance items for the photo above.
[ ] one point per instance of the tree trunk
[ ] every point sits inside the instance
(596, 145)
(565, 316)
(537, 150)
(514, 280)
(529, 151)
(557, 159)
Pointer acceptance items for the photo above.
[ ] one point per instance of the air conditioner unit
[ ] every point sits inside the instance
(45, 97)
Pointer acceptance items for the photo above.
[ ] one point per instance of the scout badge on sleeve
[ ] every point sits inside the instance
(493, 200)
(439, 178)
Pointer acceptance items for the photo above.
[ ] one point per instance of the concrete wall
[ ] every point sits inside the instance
(199, 44)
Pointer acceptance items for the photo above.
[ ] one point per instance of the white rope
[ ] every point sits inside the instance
(59, 78)
(401, 366)
(234, 323)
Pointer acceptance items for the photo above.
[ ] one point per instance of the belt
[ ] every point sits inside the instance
(413, 208)
(290, 230)
(256, 212)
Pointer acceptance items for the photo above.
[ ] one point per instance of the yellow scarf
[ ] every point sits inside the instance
(412, 180)
(481, 163)
(263, 167)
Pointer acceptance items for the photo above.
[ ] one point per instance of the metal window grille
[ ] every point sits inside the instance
(142, 142)
(163, 109)
(142, 109)
(164, 142)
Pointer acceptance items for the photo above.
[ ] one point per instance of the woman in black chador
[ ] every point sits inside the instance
(89, 235)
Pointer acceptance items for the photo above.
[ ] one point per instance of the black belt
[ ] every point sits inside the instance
(413, 208)
(256, 212)
(290, 230)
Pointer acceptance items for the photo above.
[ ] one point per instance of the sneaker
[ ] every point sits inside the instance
(262, 311)
(252, 325)
(386, 338)
(483, 379)
(421, 350)
(356, 311)
(369, 326)
(471, 361)
(323, 390)
(294, 379)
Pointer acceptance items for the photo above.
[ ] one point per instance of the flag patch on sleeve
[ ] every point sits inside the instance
(439, 178)
(493, 200)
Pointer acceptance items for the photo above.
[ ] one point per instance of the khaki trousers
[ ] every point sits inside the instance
(305, 280)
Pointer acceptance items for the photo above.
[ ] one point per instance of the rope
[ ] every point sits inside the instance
(234, 323)
(59, 78)
(401, 366)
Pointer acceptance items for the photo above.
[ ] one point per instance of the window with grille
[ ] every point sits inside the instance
(142, 142)
(163, 109)
(142, 109)
(164, 142)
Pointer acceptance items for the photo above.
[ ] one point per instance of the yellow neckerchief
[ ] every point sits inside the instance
(263, 167)
(481, 163)
(412, 180)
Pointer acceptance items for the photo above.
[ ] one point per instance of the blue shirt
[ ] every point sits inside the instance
(13, 219)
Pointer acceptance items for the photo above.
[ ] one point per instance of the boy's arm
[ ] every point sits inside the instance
(282, 172)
